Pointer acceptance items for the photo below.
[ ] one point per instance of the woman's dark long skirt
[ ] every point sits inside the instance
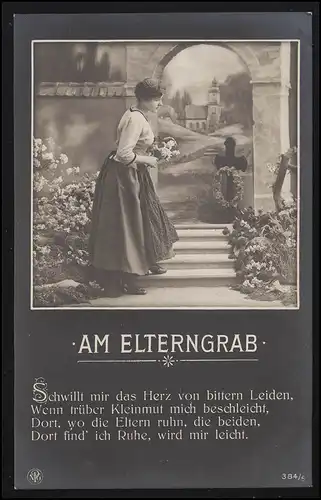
(130, 231)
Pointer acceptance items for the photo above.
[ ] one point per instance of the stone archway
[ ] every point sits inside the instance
(245, 54)
(246, 58)
(269, 66)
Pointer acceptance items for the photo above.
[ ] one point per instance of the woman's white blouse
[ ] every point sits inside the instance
(134, 137)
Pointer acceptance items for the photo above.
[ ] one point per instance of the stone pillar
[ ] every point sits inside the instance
(285, 56)
(271, 135)
(266, 140)
(270, 138)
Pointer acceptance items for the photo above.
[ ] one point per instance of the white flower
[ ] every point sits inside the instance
(256, 281)
(63, 158)
(69, 171)
(170, 144)
(48, 156)
(43, 148)
(38, 185)
(45, 250)
(165, 152)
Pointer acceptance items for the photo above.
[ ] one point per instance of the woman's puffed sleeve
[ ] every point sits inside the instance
(129, 134)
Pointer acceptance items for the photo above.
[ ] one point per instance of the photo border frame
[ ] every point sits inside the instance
(8, 489)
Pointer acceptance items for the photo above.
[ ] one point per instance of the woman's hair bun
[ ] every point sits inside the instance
(148, 89)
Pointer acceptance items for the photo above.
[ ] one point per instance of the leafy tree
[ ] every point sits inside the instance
(186, 99)
(236, 97)
(177, 104)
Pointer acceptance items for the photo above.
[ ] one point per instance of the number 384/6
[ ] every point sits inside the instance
(295, 476)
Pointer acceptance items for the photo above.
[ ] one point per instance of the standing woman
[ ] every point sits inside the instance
(130, 231)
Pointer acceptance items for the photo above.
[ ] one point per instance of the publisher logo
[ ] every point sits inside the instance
(35, 476)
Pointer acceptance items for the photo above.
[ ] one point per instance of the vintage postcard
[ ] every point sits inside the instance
(163, 303)
(212, 222)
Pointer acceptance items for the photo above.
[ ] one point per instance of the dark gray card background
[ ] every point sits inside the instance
(43, 339)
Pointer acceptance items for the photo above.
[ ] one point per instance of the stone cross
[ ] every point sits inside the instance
(229, 160)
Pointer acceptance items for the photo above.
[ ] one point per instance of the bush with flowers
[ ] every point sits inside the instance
(61, 218)
(265, 252)
(264, 245)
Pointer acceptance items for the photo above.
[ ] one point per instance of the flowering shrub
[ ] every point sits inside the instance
(61, 215)
(264, 249)
(48, 161)
(165, 149)
(264, 246)
(67, 211)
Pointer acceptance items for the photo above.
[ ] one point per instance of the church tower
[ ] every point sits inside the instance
(214, 108)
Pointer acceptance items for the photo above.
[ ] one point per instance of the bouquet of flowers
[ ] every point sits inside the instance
(165, 149)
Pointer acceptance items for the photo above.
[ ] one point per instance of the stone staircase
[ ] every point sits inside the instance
(201, 259)
(198, 277)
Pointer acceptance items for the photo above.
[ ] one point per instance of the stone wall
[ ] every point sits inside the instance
(84, 128)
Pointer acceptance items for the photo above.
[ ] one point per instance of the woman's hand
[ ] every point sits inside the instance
(152, 161)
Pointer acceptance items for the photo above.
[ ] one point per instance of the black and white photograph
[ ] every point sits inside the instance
(163, 225)
(165, 174)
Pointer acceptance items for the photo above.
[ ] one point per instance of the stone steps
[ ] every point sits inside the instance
(201, 260)
(190, 277)
(201, 234)
(196, 261)
(202, 225)
(202, 247)
(198, 276)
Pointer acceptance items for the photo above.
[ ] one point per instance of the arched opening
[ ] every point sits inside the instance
(209, 87)
(185, 45)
